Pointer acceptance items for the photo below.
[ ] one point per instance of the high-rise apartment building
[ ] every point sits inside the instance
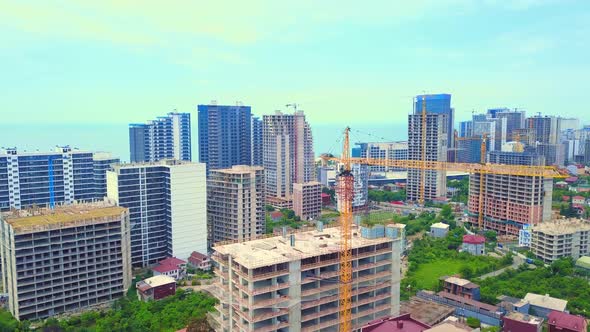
(287, 155)
(439, 104)
(167, 137)
(554, 153)
(545, 128)
(103, 161)
(435, 184)
(568, 123)
(561, 239)
(225, 135)
(235, 203)
(515, 119)
(167, 202)
(307, 200)
(384, 151)
(291, 283)
(257, 141)
(487, 129)
(465, 128)
(64, 259)
(510, 201)
(45, 178)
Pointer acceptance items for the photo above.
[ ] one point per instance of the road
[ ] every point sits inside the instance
(518, 260)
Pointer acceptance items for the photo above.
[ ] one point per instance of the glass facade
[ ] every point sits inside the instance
(225, 136)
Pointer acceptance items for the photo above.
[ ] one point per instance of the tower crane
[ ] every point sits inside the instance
(345, 192)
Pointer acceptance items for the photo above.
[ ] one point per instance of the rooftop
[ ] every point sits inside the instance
(163, 268)
(546, 301)
(460, 282)
(277, 249)
(562, 226)
(563, 320)
(519, 316)
(163, 162)
(155, 281)
(584, 262)
(473, 239)
(38, 219)
(403, 323)
(448, 327)
(172, 261)
(440, 225)
(428, 312)
(239, 169)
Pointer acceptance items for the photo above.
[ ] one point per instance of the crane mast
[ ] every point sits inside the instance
(345, 189)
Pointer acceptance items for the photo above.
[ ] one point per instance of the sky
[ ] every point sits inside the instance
(100, 65)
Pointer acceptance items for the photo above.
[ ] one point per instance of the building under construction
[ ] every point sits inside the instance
(64, 259)
(291, 282)
(510, 201)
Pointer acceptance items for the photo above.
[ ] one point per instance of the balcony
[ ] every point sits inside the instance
(269, 302)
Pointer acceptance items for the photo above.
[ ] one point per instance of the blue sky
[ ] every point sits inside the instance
(115, 62)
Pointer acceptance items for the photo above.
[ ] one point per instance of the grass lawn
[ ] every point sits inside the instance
(428, 274)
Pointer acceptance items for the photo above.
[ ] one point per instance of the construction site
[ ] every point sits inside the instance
(292, 281)
(338, 279)
(64, 259)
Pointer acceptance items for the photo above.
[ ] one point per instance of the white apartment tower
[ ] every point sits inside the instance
(167, 202)
(435, 184)
(287, 155)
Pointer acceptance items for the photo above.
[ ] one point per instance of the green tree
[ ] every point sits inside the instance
(466, 271)
(473, 322)
(490, 236)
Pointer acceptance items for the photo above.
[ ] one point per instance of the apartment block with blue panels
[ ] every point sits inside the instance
(45, 178)
(226, 134)
(103, 161)
(166, 137)
(438, 104)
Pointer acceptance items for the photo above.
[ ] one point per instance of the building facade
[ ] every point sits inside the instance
(64, 259)
(167, 137)
(439, 104)
(103, 161)
(384, 151)
(257, 141)
(510, 201)
(235, 204)
(557, 239)
(435, 183)
(31, 179)
(545, 128)
(287, 155)
(307, 200)
(225, 135)
(291, 283)
(167, 202)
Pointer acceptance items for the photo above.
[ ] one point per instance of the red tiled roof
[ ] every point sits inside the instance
(397, 202)
(562, 320)
(403, 323)
(276, 214)
(198, 256)
(325, 195)
(165, 268)
(578, 197)
(473, 239)
(172, 261)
